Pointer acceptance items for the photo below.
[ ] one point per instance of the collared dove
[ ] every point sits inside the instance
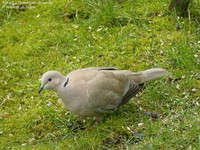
(92, 91)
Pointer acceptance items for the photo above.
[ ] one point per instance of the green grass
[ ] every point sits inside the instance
(132, 35)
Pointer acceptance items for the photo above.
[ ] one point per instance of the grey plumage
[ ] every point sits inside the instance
(92, 91)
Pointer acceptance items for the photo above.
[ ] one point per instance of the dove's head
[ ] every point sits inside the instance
(51, 80)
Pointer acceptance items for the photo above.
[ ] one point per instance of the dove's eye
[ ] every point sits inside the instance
(49, 79)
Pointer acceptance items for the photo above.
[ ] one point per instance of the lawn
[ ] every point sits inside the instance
(37, 36)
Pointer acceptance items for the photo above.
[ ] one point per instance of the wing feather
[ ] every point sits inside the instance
(132, 91)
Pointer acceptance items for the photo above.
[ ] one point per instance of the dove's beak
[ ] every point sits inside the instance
(40, 89)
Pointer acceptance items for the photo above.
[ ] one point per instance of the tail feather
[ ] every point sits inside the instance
(148, 75)
(151, 74)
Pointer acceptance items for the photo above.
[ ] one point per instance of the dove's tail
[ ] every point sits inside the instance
(148, 75)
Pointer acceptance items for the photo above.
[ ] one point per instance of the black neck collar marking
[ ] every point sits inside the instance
(66, 82)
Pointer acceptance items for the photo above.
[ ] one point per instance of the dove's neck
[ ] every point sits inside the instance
(60, 83)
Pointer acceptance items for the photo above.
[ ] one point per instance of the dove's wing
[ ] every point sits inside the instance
(104, 88)
(132, 91)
